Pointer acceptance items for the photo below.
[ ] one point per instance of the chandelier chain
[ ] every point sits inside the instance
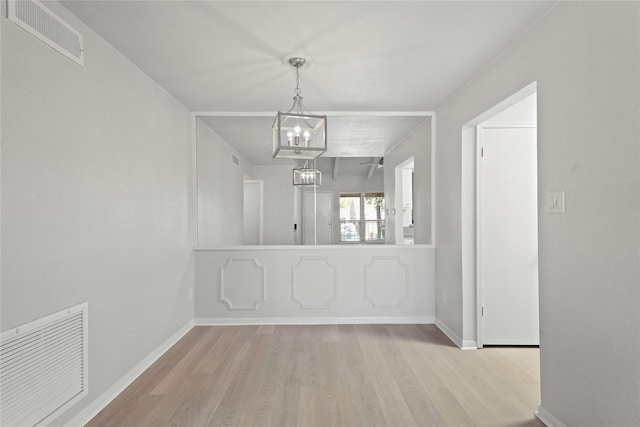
(297, 90)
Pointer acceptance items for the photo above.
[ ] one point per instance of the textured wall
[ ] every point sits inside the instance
(96, 185)
(585, 57)
(220, 190)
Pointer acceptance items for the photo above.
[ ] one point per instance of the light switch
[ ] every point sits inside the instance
(554, 202)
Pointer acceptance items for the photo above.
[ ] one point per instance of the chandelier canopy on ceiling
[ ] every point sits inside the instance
(298, 134)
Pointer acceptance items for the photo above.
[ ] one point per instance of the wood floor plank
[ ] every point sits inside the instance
(178, 372)
(330, 375)
(392, 401)
(419, 403)
(266, 329)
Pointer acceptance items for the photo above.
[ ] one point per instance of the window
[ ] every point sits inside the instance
(362, 217)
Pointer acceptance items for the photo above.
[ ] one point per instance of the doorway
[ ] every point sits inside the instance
(404, 202)
(507, 229)
(508, 236)
(316, 218)
(253, 195)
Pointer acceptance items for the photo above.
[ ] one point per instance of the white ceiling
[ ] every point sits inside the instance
(225, 56)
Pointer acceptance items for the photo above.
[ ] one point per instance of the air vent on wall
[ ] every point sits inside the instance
(43, 367)
(37, 19)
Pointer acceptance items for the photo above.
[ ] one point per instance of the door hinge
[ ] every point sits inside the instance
(481, 151)
(482, 311)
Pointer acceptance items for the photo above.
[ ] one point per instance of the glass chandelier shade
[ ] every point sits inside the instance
(307, 176)
(298, 134)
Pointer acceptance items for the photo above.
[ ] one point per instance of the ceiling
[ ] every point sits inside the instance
(367, 56)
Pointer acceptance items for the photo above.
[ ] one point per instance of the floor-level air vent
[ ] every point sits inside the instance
(43, 367)
(37, 19)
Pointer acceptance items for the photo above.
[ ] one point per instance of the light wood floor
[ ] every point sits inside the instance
(346, 375)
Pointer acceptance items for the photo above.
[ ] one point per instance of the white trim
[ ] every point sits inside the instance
(462, 344)
(547, 418)
(274, 248)
(194, 169)
(93, 408)
(325, 113)
(433, 180)
(508, 125)
(237, 321)
(478, 239)
(474, 246)
(469, 345)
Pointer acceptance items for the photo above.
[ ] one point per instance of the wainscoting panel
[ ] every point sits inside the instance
(242, 284)
(386, 282)
(315, 284)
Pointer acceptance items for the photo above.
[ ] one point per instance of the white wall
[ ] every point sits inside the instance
(523, 112)
(220, 189)
(96, 199)
(416, 145)
(585, 57)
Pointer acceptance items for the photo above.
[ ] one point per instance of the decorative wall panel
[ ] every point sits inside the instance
(385, 282)
(242, 284)
(314, 283)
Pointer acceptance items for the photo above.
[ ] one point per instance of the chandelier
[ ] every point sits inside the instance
(307, 176)
(298, 134)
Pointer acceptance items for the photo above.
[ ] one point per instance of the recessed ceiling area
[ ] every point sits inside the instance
(347, 136)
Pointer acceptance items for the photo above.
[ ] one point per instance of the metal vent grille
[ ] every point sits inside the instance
(37, 19)
(43, 367)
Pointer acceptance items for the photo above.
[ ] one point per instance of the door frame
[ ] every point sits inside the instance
(468, 136)
(398, 199)
(479, 229)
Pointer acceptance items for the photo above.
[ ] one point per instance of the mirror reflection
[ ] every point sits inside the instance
(244, 197)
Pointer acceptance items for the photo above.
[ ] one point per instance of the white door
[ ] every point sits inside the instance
(253, 194)
(316, 220)
(508, 236)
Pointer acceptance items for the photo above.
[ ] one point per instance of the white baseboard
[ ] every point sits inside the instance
(469, 345)
(464, 345)
(105, 398)
(548, 419)
(217, 321)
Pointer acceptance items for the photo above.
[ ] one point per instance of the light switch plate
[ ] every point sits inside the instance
(554, 202)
